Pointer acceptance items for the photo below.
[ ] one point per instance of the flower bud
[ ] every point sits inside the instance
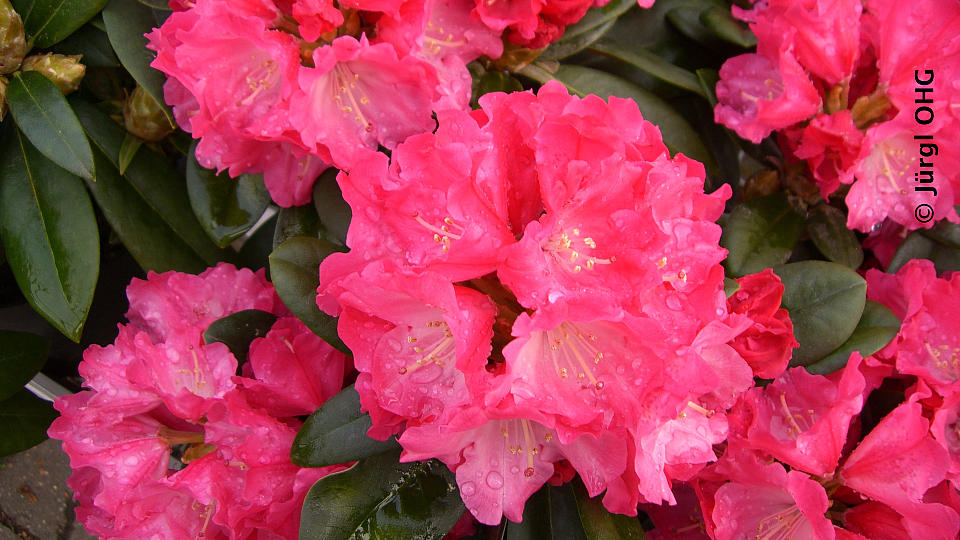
(13, 44)
(3, 97)
(64, 70)
(144, 117)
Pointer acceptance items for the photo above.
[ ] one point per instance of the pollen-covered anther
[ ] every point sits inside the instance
(572, 351)
(444, 233)
(439, 352)
(700, 409)
(573, 252)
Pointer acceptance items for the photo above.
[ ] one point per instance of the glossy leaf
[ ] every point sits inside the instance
(49, 234)
(25, 419)
(93, 44)
(877, 328)
(828, 230)
(146, 236)
(337, 433)
(760, 233)
(22, 355)
(226, 207)
(938, 245)
(334, 212)
(708, 79)
(677, 133)
(686, 17)
(721, 22)
(595, 18)
(485, 82)
(44, 116)
(126, 22)
(381, 498)
(730, 286)
(294, 268)
(155, 180)
(599, 524)
(648, 62)
(237, 331)
(825, 301)
(297, 221)
(549, 513)
(128, 149)
(50, 21)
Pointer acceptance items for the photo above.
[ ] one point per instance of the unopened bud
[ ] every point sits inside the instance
(64, 70)
(144, 117)
(13, 44)
(3, 97)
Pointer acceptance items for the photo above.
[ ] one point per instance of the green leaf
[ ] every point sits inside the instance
(44, 116)
(730, 286)
(599, 524)
(937, 244)
(721, 22)
(877, 328)
(296, 221)
(146, 236)
(93, 44)
(334, 212)
(49, 234)
(825, 301)
(238, 330)
(648, 62)
(382, 499)
(566, 48)
(677, 133)
(25, 419)
(760, 233)
(50, 21)
(128, 149)
(22, 355)
(126, 22)
(687, 19)
(550, 513)
(337, 433)
(708, 79)
(595, 18)
(156, 181)
(294, 268)
(828, 230)
(226, 207)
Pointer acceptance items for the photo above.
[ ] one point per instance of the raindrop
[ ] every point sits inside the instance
(468, 488)
(702, 431)
(528, 472)
(395, 345)
(131, 460)
(494, 480)
(426, 374)
(621, 370)
(674, 303)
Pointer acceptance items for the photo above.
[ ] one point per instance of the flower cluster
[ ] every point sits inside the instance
(860, 91)
(172, 439)
(801, 461)
(535, 289)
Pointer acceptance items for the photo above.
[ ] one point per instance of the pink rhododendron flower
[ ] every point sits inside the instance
(768, 344)
(946, 431)
(831, 145)
(160, 392)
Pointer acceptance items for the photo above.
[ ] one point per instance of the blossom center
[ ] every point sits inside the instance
(433, 348)
(797, 423)
(573, 252)
(521, 440)
(780, 526)
(573, 353)
(345, 86)
(949, 366)
(443, 234)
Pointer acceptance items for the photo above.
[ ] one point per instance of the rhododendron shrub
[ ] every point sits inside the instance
(172, 438)
(502, 334)
(861, 93)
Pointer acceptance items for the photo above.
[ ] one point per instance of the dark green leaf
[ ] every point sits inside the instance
(25, 419)
(238, 330)
(648, 62)
(920, 246)
(155, 180)
(945, 233)
(257, 247)
(382, 499)
(569, 47)
(296, 221)
(226, 207)
(337, 433)
(686, 18)
(49, 234)
(599, 524)
(825, 301)
(93, 44)
(595, 18)
(708, 79)
(550, 513)
(149, 240)
(334, 212)
(128, 149)
(721, 22)
(730, 286)
(760, 233)
(877, 327)
(828, 230)
(677, 133)
(485, 82)
(50, 21)
(126, 22)
(294, 269)
(44, 116)
(157, 4)
(22, 355)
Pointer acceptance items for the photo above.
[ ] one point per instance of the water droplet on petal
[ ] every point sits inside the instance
(426, 374)
(131, 460)
(528, 472)
(468, 488)
(674, 303)
(494, 480)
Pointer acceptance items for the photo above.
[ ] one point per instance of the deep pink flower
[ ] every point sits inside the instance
(946, 431)
(830, 143)
(768, 344)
